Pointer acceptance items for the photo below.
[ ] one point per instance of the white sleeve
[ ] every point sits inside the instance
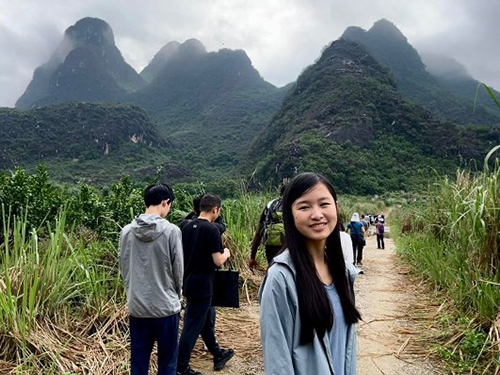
(346, 243)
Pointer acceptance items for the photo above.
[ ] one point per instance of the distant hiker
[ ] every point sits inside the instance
(356, 230)
(372, 219)
(345, 239)
(203, 251)
(151, 264)
(307, 309)
(379, 230)
(270, 231)
(193, 214)
(365, 222)
(219, 223)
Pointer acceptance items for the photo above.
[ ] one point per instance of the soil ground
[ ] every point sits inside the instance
(383, 296)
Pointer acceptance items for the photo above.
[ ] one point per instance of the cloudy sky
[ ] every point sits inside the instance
(281, 37)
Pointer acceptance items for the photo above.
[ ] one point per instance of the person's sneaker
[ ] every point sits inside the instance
(360, 264)
(225, 355)
(189, 371)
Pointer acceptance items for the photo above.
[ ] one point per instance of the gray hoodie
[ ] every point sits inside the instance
(152, 266)
(280, 327)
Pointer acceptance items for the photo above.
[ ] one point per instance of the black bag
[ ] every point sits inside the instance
(226, 291)
(362, 241)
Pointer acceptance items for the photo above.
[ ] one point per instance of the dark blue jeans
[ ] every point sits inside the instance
(199, 318)
(143, 333)
(380, 241)
(357, 247)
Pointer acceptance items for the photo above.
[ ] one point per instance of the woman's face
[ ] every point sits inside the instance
(315, 213)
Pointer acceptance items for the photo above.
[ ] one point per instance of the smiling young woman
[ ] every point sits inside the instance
(307, 311)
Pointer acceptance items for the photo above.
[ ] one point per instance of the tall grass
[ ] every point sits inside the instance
(61, 297)
(454, 240)
(242, 216)
(48, 276)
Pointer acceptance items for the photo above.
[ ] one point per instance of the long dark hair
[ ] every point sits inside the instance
(314, 305)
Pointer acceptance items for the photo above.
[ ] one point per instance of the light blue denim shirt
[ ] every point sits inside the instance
(338, 333)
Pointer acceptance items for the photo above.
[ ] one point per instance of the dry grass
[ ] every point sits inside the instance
(62, 345)
(427, 332)
(99, 344)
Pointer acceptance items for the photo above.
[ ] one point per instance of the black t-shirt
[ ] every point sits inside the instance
(200, 239)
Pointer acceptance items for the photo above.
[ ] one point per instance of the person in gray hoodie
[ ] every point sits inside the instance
(307, 310)
(152, 267)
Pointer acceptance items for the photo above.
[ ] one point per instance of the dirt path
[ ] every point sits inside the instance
(383, 300)
(382, 297)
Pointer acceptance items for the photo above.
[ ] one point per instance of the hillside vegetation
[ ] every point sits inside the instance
(345, 118)
(449, 99)
(351, 115)
(210, 106)
(95, 142)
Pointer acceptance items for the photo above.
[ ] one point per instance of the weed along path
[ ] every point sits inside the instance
(386, 336)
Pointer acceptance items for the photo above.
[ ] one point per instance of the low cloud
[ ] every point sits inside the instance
(281, 37)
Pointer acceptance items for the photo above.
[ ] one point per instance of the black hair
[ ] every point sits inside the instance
(196, 204)
(156, 193)
(282, 189)
(209, 201)
(314, 305)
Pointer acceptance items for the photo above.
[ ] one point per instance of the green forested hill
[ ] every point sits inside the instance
(210, 105)
(215, 118)
(87, 66)
(444, 98)
(76, 140)
(345, 118)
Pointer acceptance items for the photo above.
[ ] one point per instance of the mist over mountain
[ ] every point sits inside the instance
(209, 104)
(385, 42)
(445, 67)
(187, 91)
(345, 118)
(191, 48)
(87, 66)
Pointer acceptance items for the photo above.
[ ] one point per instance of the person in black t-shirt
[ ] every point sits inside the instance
(203, 251)
(219, 223)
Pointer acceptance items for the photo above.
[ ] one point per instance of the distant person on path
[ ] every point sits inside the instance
(151, 265)
(307, 310)
(356, 230)
(345, 239)
(193, 214)
(270, 231)
(203, 252)
(219, 223)
(379, 230)
(365, 222)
